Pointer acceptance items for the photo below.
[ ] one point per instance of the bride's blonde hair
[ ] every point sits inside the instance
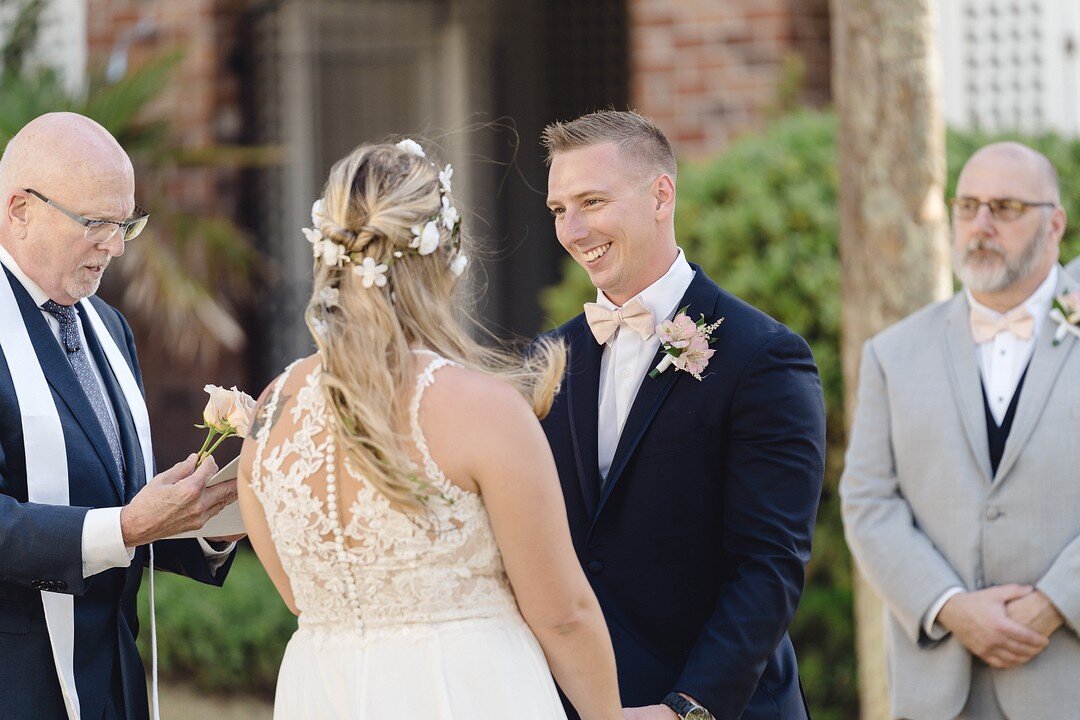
(373, 199)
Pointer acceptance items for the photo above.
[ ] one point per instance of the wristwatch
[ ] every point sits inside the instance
(686, 709)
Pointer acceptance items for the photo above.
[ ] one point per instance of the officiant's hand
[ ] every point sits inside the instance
(980, 621)
(175, 501)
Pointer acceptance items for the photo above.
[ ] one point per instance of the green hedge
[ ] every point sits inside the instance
(225, 640)
(761, 220)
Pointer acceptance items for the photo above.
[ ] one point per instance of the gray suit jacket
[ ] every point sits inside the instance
(1073, 269)
(922, 512)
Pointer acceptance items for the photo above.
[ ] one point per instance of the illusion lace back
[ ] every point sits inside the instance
(377, 587)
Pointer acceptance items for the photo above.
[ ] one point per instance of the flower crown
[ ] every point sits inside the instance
(426, 237)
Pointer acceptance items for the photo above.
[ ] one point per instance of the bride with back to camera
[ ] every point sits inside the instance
(399, 490)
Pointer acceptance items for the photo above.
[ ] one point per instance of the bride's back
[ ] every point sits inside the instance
(353, 558)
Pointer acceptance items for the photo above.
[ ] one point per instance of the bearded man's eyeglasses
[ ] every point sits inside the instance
(101, 231)
(1007, 209)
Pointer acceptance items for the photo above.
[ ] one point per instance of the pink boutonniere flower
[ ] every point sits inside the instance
(1066, 313)
(685, 344)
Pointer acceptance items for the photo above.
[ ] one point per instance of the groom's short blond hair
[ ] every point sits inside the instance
(638, 139)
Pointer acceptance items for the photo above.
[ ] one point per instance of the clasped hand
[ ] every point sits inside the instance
(175, 501)
(1005, 625)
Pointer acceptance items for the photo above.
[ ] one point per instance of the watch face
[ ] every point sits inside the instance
(699, 713)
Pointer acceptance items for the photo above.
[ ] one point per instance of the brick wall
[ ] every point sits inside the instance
(708, 70)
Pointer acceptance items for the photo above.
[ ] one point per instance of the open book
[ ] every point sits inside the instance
(226, 522)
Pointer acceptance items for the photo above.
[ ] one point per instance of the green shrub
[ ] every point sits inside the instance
(761, 220)
(227, 640)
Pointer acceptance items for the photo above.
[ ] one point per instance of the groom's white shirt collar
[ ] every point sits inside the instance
(663, 296)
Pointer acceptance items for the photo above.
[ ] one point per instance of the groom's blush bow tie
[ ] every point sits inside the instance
(604, 322)
(985, 325)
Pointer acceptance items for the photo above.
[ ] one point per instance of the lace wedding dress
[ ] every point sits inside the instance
(400, 616)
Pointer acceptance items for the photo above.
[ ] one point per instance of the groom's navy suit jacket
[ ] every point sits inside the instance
(41, 545)
(697, 542)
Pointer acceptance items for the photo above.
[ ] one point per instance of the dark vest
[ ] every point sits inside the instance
(998, 434)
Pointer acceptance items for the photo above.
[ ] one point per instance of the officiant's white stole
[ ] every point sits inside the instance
(46, 453)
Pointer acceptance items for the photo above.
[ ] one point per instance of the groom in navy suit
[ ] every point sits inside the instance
(70, 569)
(691, 499)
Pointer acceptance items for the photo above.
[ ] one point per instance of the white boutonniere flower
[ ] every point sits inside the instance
(371, 272)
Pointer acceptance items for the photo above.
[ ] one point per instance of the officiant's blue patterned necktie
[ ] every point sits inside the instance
(80, 363)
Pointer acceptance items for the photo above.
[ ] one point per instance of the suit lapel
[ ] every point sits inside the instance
(61, 377)
(700, 298)
(966, 383)
(1043, 370)
(583, 393)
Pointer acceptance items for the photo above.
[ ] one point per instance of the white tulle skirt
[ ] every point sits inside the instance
(479, 669)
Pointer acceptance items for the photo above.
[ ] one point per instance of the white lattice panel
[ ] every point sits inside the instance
(1010, 65)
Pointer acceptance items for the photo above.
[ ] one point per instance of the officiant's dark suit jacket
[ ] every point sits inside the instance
(697, 541)
(41, 545)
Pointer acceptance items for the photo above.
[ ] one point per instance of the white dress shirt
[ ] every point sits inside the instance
(102, 538)
(626, 357)
(1002, 361)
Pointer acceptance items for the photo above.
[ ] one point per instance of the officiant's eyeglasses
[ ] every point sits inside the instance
(101, 231)
(966, 208)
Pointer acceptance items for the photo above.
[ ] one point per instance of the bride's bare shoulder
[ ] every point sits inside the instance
(473, 397)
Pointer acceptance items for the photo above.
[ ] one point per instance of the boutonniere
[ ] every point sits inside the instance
(685, 344)
(1066, 313)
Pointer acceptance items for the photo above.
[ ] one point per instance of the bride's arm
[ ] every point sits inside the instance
(251, 510)
(510, 460)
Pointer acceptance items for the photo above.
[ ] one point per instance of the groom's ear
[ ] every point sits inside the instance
(664, 191)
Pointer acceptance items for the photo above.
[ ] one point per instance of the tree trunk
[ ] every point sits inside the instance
(893, 226)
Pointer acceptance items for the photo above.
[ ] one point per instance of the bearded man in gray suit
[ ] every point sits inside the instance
(961, 492)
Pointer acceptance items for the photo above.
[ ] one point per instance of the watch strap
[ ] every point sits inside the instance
(679, 704)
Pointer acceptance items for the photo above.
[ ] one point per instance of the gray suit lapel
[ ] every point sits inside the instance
(966, 382)
(1043, 370)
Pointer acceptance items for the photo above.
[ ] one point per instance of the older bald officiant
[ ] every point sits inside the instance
(79, 501)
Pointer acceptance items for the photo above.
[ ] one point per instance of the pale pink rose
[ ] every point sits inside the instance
(242, 413)
(678, 332)
(218, 407)
(228, 410)
(695, 357)
(1071, 301)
